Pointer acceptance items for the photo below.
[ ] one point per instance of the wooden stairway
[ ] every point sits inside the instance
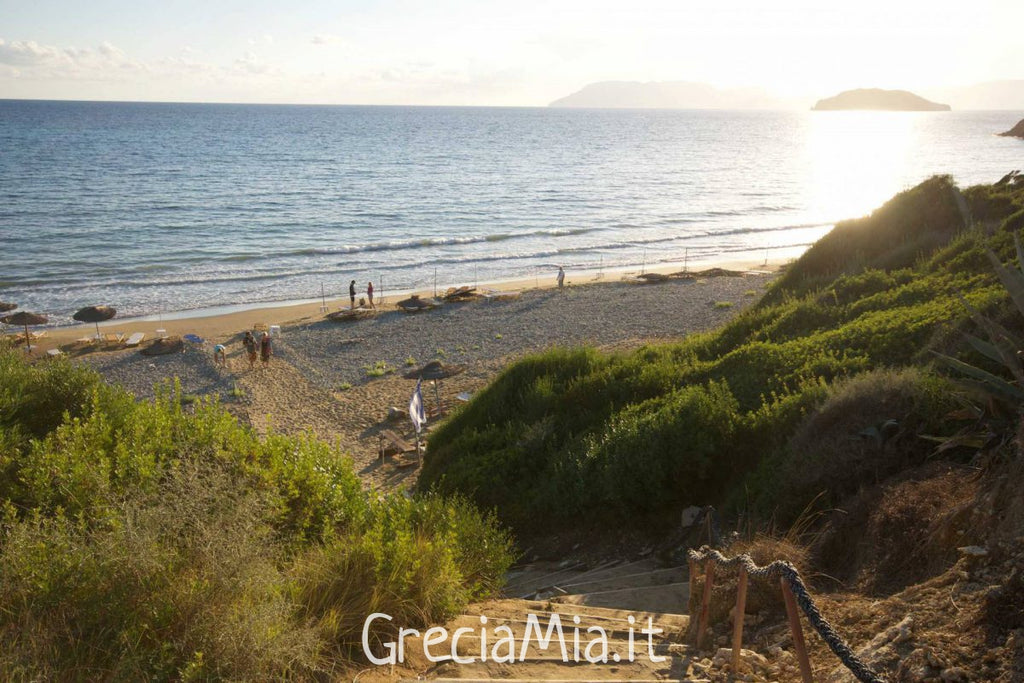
(614, 599)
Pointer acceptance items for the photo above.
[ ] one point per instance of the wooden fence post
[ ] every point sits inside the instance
(705, 603)
(737, 629)
(798, 633)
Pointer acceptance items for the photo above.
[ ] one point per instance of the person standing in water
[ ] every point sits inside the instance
(352, 293)
(561, 277)
(369, 294)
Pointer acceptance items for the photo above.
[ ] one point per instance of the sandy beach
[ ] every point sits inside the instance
(325, 377)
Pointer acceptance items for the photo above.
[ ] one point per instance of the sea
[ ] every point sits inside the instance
(184, 209)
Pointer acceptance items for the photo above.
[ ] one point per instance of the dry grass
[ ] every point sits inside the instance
(867, 429)
(186, 576)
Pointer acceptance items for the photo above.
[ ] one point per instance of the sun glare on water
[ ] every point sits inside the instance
(857, 160)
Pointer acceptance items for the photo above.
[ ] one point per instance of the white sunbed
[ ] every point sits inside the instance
(135, 339)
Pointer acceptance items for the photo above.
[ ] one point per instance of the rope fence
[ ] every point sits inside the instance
(794, 592)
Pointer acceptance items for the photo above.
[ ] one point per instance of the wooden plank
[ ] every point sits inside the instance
(705, 603)
(798, 632)
(737, 630)
(396, 442)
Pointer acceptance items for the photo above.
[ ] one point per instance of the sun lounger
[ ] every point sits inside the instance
(406, 461)
(135, 339)
(495, 295)
(113, 337)
(38, 335)
(395, 444)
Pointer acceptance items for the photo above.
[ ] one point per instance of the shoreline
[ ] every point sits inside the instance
(344, 381)
(222, 322)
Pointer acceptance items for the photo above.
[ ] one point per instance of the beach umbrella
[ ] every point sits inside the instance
(95, 314)
(437, 371)
(7, 306)
(25, 318)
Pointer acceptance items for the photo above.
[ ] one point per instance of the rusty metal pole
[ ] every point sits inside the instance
(737, 630)
(798, 633)
(705, 603)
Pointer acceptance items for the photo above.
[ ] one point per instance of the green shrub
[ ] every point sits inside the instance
(144, 540)
(184, 583)
(866, 429)
(575, 432)
(663, 450)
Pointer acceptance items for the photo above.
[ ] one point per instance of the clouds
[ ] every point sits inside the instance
(324, 39)
(31, 59)
(502, 52)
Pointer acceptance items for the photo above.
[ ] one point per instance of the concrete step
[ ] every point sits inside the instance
(469, 646)
(554, 680)
(531, 579)
(673, 597)
(528, 579)
(653, 577)
(513, 610)
(553, 668)
(669, 629)
(621, 569)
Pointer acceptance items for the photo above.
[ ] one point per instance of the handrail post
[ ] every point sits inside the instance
(705, 603)
(693, 579)
(737, 629)
(798, 633)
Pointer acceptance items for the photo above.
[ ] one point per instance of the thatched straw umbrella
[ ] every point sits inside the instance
(437, 371)
(25, 318)
(7, 306)
(95, 314)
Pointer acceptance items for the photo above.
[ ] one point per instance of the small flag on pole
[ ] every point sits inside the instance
(416, 413)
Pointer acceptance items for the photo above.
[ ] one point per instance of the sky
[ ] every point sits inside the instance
(491, 53)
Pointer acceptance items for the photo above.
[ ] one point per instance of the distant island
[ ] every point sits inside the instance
(875, 99)
(1015, 132)
(666, 95)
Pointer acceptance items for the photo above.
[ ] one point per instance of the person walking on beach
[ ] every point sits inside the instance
(352, 293)
(369, 294)
(266, 351)
(249, 342)
(561, 277)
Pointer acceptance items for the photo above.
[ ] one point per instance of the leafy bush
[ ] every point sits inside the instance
(867, 428)
(150, 540)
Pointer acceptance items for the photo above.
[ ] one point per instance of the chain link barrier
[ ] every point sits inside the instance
(780, 569)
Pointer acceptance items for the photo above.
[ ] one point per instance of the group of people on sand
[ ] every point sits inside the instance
(352, 293)
(261, 347)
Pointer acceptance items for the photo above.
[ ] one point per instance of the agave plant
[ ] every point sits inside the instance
(1002, 346)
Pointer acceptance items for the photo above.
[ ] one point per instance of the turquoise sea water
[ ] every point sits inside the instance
(168, 207)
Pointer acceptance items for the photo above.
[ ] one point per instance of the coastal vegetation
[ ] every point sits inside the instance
(828, 384)
(164, 540)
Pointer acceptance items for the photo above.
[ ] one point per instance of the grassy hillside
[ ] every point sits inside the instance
(163, 540)
(788, 401)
